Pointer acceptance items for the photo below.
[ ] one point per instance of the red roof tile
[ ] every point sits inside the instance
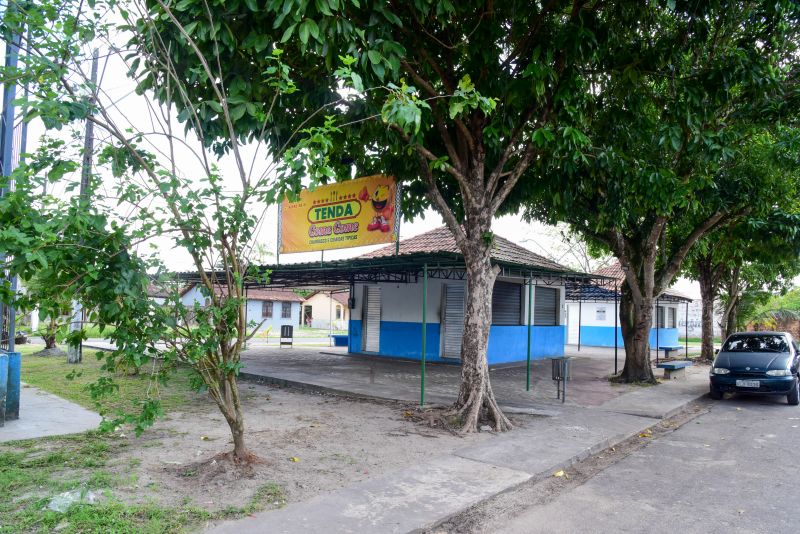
(615, 271)
(442, 240)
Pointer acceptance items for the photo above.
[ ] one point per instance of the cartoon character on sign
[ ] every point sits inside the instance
(381, 200)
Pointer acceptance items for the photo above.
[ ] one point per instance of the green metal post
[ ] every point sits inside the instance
(528, 370)
(424, 332)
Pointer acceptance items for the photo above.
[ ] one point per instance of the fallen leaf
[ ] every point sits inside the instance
(204, 438)
(559, 473)
(294, 459)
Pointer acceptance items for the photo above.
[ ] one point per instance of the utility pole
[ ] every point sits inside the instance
(75, 352)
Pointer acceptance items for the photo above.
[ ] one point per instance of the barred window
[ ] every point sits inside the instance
(286, 310)
(266, 310)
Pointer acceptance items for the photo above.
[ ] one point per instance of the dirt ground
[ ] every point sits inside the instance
(310, 443)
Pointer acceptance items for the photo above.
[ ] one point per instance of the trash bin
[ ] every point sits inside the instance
(561, 369)
(561, 373)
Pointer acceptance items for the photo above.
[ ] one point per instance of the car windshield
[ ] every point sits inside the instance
(756, 344)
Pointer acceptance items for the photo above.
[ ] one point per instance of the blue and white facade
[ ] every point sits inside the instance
(595, 322)
(386, 320)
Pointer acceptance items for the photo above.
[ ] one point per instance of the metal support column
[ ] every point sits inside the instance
(686, 332)
(424, 333)
(528, 368)
(616, 321)
(580, 313)
(657, 326)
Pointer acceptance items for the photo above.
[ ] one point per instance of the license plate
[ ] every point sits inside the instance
(748, 384)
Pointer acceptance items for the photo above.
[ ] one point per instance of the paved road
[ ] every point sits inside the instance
(734, 469)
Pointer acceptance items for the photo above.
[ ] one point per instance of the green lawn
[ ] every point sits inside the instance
(50, 374)
(33, 471)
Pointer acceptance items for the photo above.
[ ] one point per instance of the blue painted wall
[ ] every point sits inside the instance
(509, 343)
(603, 336)
(506, 343)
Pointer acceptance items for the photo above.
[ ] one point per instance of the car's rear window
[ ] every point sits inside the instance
(756, 344)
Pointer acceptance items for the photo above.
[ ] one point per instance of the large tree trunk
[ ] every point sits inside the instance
(729, 314)
(708, 294)
(636, 320)
(476, 401)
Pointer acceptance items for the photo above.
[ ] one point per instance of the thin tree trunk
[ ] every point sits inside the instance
(476, 401)
(232, 410)
(707, 295)
(50, 335)
(636, 321)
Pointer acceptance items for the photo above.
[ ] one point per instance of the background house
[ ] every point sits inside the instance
(323, 308)
(272, 307)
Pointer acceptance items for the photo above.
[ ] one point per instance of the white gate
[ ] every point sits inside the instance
(452, 320)
(371, 336)
(573, 324)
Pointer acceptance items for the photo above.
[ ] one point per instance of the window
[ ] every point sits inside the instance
(507, 304)
(671, 320)
(286, 310)
(338, 312)
(756, 343)
(266, 310)
(600, 313)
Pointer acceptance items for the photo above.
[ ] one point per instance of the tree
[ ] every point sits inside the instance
(755, 251)
(754, 254)
(155, 182)
(457, 99)
(685, 93)
(50, 303)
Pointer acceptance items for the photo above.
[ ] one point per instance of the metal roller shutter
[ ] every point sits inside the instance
(507, 304)
(452, 320)
(372, 319)
(545, 306)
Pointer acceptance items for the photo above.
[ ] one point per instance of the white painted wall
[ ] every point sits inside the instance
(590, 315)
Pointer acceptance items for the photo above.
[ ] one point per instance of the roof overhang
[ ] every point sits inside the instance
(403, 268)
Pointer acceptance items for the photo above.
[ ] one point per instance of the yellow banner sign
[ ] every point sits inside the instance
(346, 214)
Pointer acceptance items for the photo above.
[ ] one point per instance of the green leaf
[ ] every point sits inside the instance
(288, 33)
(374, 56)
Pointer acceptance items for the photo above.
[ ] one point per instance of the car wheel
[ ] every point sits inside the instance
(715, 393)
(794, 396)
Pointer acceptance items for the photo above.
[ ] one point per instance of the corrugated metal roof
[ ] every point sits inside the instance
(442, 240)
(615, 271)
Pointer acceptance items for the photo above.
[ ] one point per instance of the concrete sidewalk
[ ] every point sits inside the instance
(43, 414)
(446, 484)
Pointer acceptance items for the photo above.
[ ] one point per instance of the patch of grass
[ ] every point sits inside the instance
(32, 472)
(49, 373)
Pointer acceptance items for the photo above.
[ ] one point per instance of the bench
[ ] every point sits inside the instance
(674, 370)
(339, 340)
(668, 348)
